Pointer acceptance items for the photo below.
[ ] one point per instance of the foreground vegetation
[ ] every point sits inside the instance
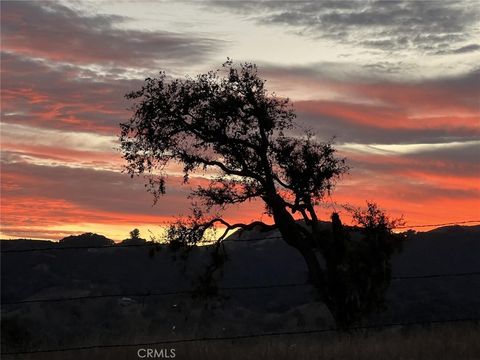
(436, 342)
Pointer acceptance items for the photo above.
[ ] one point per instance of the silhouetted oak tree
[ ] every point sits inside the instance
(226, 122)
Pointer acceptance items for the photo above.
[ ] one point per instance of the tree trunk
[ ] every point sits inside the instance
(315, 272)
(295, 238)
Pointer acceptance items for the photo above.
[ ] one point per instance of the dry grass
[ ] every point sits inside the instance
(436, 342)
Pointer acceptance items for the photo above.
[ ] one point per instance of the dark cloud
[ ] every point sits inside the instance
(467, 48)
(374, 72)
(88, 189)
(368, 108)
(462, 158)
(459, 161)
(42, 94)
(428, 26)
(59, 195)
(462, 50)
(50, 30)
(437, 176)
(349, 131)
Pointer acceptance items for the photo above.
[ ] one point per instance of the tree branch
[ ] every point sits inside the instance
(230, 227)
(281, 182)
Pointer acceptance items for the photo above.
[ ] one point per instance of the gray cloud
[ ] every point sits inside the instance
(50, 30)
(458, 161)
(462, 159)
(427, 26)
(372, 109)
(92, 190)
(461, 50)
(467, 48)
(347, 131)
(42, 94)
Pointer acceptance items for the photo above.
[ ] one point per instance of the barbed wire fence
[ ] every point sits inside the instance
(228, 288)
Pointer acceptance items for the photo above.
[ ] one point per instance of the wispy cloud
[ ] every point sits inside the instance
(38, 93)
(53, 31)
(425, 26)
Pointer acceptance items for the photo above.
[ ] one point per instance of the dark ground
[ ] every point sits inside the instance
(414, 296)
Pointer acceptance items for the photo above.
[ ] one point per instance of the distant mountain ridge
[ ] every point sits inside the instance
(455, 228)
(93, 239)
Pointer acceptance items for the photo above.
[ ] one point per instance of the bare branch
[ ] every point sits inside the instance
(230, 227)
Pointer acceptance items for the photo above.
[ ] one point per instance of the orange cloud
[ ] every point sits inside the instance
(387, 117)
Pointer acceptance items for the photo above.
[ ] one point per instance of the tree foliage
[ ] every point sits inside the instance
(226, 123)
(359, 270)
(232, 125)
(135, 234)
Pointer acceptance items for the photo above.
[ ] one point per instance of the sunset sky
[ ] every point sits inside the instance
(396, 83)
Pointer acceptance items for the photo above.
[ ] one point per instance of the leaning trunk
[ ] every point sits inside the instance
(294, 237)
(315, 272)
